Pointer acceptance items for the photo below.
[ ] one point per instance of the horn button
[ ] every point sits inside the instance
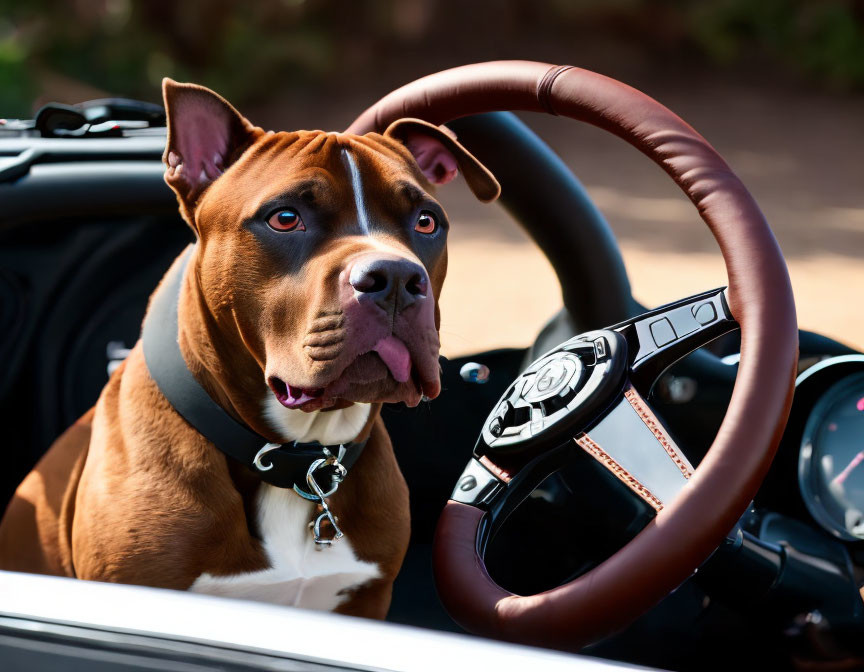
(559, 394)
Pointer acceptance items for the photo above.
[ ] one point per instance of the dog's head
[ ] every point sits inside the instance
(322, 253)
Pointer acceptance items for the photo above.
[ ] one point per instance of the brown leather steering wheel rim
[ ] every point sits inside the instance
(687, 531)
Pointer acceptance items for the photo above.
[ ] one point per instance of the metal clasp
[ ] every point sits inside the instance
(321, 497)
(315, 493)
(329, 459)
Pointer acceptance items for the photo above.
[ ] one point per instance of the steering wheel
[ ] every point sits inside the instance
(588, 394)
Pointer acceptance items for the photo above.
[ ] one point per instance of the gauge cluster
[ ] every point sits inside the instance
(828, 416)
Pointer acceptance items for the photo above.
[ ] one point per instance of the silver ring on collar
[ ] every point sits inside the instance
(319, 495)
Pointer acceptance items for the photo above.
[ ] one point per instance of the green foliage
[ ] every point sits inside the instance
(16, 87)
(247, 49)
(823, 39)
(124, 48)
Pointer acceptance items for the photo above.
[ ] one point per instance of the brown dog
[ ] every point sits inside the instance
(309, 298)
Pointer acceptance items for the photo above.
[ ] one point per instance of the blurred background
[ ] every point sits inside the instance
(777, 86)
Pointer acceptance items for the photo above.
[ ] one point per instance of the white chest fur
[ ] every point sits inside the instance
(300, 575)
(328, 427)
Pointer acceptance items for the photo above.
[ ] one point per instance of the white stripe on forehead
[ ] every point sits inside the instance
(357, 186)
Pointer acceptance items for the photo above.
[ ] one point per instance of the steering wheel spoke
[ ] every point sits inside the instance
(627, 439)
(659, 338)
(635, 447)
(584, 395)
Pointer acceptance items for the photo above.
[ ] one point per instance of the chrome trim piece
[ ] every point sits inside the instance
(476, 485)
(263, 628)
(825, 363)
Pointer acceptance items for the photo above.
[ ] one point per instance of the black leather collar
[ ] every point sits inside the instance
(284, 465)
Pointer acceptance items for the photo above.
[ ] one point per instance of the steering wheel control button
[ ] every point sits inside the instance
(600, 349)
(663, 336)
(564, 388)
(662, 332)
(705, 313)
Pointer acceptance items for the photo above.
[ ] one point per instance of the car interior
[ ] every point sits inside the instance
(88, 228)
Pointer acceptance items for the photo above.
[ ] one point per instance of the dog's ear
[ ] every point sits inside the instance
(438, 154)
(205, 136)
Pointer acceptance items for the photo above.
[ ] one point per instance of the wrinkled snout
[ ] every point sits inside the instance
(392, 283)
(389, 337)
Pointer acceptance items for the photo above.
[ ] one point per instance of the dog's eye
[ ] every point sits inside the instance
(286, 220)
(426, 223)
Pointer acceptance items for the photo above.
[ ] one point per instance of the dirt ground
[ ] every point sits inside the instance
(801, 153)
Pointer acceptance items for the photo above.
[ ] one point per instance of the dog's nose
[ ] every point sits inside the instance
(392, 283)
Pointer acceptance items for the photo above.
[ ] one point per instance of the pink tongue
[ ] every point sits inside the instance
(297, 397)
(395, 356)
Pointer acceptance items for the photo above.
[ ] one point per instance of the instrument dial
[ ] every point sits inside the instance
(831, 463)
